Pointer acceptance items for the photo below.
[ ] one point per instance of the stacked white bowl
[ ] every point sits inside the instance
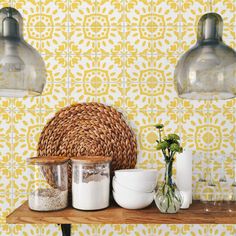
(134, 188)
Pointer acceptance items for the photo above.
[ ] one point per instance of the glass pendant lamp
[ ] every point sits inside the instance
(22, 69)
(208, 70)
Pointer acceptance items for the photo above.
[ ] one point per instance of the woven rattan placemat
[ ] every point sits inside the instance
(89, 129)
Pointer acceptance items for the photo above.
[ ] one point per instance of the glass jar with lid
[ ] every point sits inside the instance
(48, 190)
(90, 182)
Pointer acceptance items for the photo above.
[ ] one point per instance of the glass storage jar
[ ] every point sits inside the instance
(90, 182)
(49, 189)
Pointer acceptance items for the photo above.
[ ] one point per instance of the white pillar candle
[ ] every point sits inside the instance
(187, 199)
(184, 174)
(186, 195)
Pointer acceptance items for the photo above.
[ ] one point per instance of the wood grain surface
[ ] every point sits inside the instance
(116, 215)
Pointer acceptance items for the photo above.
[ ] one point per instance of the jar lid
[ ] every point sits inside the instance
(91, 159)
(48, 160)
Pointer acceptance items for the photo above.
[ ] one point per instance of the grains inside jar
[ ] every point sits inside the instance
(48, 199)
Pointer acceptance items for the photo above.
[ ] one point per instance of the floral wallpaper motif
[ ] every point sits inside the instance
(122, 53)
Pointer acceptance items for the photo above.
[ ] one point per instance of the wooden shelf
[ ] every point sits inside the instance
(116, 215)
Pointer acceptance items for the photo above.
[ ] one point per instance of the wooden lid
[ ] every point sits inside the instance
(47, 160)
(92, 159)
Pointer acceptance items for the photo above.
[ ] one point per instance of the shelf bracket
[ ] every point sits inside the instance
(66, 229)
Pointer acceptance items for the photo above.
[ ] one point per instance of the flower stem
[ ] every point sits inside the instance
(160, 135)
(168, 173)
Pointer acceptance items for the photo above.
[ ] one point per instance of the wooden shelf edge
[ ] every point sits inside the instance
(117, 215)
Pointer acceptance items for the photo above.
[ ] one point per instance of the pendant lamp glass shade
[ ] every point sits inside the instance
(208, 70)
(22, 69)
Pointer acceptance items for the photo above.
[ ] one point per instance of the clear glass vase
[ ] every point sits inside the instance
(168, 198)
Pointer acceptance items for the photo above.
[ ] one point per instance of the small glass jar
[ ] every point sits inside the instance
(49, 189)
(90, 182)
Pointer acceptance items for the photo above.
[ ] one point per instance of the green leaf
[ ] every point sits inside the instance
(174, 147)
(159, 146)
(162, 145)
(173, 137)
(159, 126)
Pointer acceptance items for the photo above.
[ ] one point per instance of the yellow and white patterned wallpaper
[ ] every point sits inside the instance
(122, 53)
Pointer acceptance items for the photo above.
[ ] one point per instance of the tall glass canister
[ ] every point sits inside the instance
(90, 182)
(48, 190)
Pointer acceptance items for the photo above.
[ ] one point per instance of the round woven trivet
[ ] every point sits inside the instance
(89, 129)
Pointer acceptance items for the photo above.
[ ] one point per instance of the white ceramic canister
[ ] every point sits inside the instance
(90, 182)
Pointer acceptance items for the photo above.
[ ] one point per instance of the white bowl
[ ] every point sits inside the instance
(133, 201)
(141, 186)
(136, 175)
(121, 190)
